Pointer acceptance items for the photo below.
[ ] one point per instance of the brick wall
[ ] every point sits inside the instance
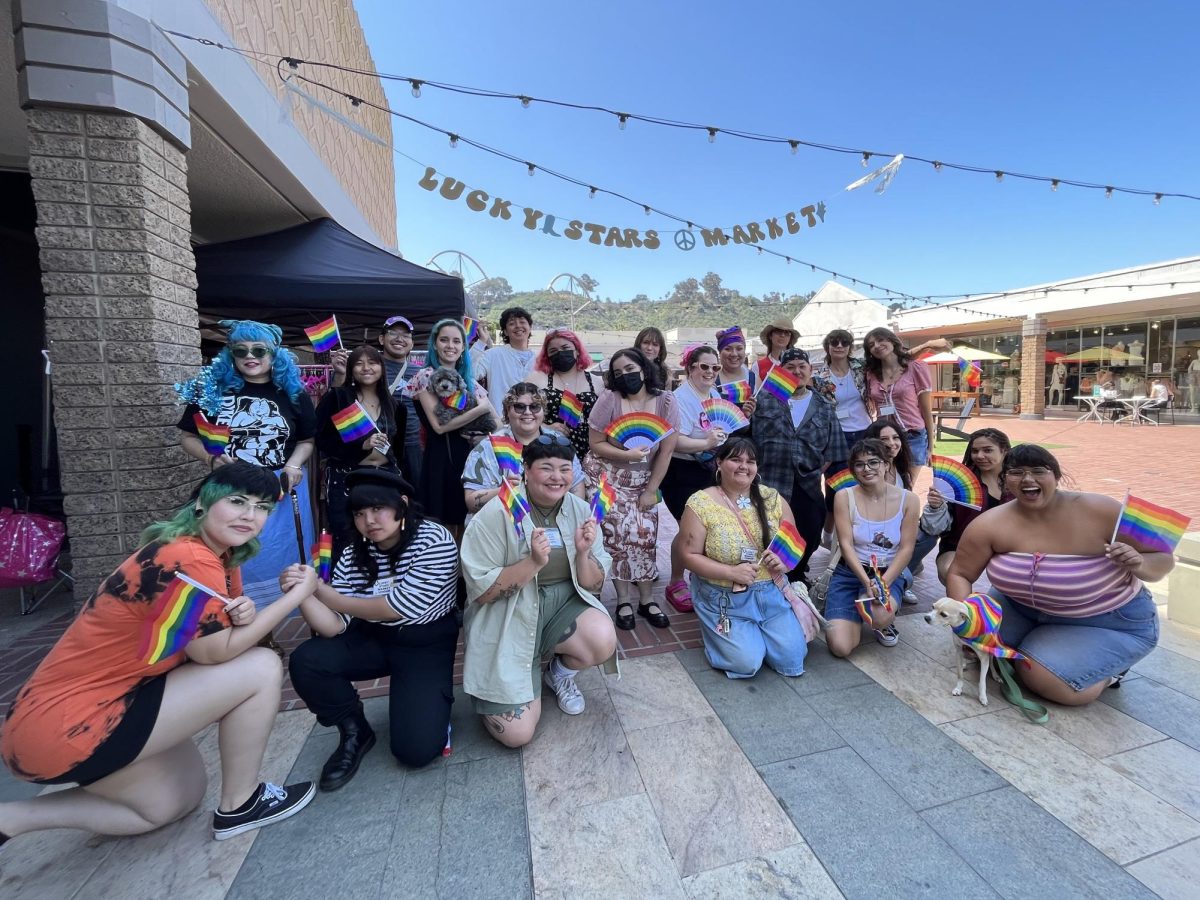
(1033, 368)
(118, 273)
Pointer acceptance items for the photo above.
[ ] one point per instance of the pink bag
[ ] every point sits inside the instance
(29, 547)
(797, 596)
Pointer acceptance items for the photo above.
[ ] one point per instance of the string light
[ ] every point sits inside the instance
(795, 145)
(591, 193)
(999, 176)
(1158, 199)
(354, 101)
(1108, 192)
(866, 159)
(937, 166)
(416, 87)
(531, 167)
(712, 135)
(622, 119)
(647, 209)
(1054, 184)
(525, 101)
(453, 141)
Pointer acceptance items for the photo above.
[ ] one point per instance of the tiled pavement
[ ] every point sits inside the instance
(862, 777)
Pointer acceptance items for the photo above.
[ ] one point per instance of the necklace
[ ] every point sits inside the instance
(742, 501)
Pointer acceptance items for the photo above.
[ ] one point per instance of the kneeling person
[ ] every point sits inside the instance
(532, 594)
(388, 611)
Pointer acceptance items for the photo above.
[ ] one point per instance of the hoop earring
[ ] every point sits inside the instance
(198, 512)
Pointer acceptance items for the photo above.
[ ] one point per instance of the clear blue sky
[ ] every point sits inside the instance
(1098, 91)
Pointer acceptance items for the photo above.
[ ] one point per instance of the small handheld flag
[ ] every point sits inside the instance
(970, 373)
(604, 500)
(175, 618)
(471, 327)
(839, 480)
(788, 545)
(724, 414)
(780, 383)
(956, 483)
(324, 335)
(508, 454)
(737, 392)
(215, 438)
(1150, 525)
(458, 400)
(981, 628)
(322, 556)
(877, 580)
(353, 422)
(570, 410)
(639, 430)
(515, 503)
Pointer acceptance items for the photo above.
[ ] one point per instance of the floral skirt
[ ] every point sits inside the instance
(630, 533)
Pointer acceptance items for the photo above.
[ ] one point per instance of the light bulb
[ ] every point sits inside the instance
(1108, 192)
(622, 118)
(937, 166)
(647, 209)
(416, 87)
(712, 135)
(591, 193)
(795, 146)
(531, 168)
(999, 176)
(453, 141)
(866, 160)
(789, 260)
(1054, 184)
(525, 102)
(1157, 199)
(355, 102)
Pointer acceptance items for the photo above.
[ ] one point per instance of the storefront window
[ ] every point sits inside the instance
(1187, 362)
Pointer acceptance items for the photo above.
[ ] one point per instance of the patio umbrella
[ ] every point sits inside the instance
(1101, 354)
(962, 352)
(1053, 356)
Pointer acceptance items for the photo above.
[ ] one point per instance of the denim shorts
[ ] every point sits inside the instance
(845, 589)
(1082, 651)
(762, 628)
(918, 446)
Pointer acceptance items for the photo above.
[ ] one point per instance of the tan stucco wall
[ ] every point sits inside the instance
(329, 31)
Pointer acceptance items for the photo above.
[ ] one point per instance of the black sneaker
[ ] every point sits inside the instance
(273, 804)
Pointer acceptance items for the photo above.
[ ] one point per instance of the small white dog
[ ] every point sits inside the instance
(976, 624)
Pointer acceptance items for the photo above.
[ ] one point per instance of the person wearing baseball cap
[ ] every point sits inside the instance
(396, 342)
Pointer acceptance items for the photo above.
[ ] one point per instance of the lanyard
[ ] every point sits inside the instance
(737, 515)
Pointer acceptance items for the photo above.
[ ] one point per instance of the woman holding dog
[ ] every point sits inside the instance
(440, 491)
(876, 523)
(1074, 603)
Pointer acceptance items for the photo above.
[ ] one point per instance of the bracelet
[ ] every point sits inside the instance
(295, 468)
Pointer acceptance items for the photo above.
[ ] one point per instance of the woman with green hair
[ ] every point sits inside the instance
(166, 646)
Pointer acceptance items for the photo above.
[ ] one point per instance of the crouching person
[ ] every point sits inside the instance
(388, 611)
(533, 591)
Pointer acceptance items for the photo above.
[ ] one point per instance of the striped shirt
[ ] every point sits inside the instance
(1063, 585)
(420, 587)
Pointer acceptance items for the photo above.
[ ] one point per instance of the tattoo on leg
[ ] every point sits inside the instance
(495, 721)
(570, 631)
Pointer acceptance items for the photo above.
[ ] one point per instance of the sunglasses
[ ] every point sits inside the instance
(554, 439)
(256, 352)
(840, 342)
(705, 367)
(526, 407)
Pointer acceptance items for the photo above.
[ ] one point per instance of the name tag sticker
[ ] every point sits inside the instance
(554, 536)
(843, 412)
(887, 410)
(749, 554)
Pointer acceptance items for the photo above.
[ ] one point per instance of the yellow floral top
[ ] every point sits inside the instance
(724, 537)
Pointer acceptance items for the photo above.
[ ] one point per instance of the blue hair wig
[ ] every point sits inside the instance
(464, 362)
(221, 378)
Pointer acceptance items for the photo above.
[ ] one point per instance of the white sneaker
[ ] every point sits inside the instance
(887, 635)
(910, 598)
(570, 698)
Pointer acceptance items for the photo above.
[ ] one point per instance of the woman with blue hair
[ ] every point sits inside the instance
(446, 447)
(253, 388)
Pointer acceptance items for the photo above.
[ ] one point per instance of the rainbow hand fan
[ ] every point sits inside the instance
(215, 438)
(324, 335)
(570, 410)
(724, 414)
(639, 431)
(839, 480)
(604, 500)
(956, 482)
(788, 545)
(322, 556)
(508, 454)
(780, 383)
(175, 618)
(738, 392)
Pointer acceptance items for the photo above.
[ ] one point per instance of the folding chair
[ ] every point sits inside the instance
(31, 547)
(959, 430)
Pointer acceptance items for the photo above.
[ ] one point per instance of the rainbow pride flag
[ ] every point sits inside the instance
(780, 383)
(515, 503)
(459, 400)
(322, 556)
(570, 410)
(1150, 525)
(737, 392)
(353, 422)
(215, 438)
(508, 454)
(471, 327)
(604, 500)
(641, 430)
(956, 482)
(840, 479)
(877, 581)
(970, 372)
(787, 545)
(981, 627)
(324, 335)
(175, 618)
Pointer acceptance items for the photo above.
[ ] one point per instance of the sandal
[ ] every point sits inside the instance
(625, 622)
(658, 618)
(679, 596)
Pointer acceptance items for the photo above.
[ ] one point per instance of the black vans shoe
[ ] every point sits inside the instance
(273, 804)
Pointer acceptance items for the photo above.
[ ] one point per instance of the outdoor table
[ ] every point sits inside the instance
(1136, 405)
(1093, 408)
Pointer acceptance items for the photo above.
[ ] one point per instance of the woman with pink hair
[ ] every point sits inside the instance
(562, 367)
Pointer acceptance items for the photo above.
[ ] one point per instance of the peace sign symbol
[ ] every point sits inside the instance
(684, 239)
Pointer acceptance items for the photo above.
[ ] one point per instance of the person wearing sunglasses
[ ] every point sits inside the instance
(524, 414)
(562, 365)
(839, 378)
(533, 591)
(253, 387)
(692, 463)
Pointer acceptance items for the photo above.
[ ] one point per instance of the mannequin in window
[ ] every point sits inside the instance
(1058, 377)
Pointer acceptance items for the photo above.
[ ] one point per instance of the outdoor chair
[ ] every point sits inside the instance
(958, 431)
(1156, 410)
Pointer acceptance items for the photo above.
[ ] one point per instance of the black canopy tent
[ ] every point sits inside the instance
(300, 275)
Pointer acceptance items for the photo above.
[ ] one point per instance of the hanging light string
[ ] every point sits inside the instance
(623, 118)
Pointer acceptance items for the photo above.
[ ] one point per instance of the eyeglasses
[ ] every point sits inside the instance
(868, 465)
(526, 407)
(243, 352)
(554, 439)
(1035, 471)
(705, 367)
(840, 342)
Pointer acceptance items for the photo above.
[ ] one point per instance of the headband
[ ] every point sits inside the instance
(729, 336)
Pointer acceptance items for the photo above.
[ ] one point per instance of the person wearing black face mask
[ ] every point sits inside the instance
(562, 368)
(631, 527)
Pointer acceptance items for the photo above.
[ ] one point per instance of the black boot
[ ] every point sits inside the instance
(357, 738)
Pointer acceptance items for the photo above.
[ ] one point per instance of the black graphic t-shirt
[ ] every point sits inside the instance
(265, 425)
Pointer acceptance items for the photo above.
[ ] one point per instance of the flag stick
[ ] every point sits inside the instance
(339, 332)
(299, 527)
(1117, 527)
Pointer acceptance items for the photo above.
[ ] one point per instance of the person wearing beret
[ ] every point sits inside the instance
(389, 610)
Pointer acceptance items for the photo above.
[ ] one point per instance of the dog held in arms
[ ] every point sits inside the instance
(454, 399)
(975, 622)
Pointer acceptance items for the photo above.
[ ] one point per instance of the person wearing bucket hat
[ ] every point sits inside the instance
(388, 610)
(776, 337)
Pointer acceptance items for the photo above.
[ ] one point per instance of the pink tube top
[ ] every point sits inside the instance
(1062, 585)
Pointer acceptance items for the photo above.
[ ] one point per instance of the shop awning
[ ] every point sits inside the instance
(300, 275)
(1103, 354)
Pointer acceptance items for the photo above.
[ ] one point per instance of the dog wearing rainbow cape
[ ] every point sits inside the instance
(975, 622)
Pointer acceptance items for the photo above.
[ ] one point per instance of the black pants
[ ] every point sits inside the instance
(420, 661)
(809, 512)
(684, 477)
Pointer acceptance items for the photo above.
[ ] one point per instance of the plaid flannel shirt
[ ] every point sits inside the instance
(795, 457)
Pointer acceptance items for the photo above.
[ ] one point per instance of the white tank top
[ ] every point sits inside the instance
(879, 538)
